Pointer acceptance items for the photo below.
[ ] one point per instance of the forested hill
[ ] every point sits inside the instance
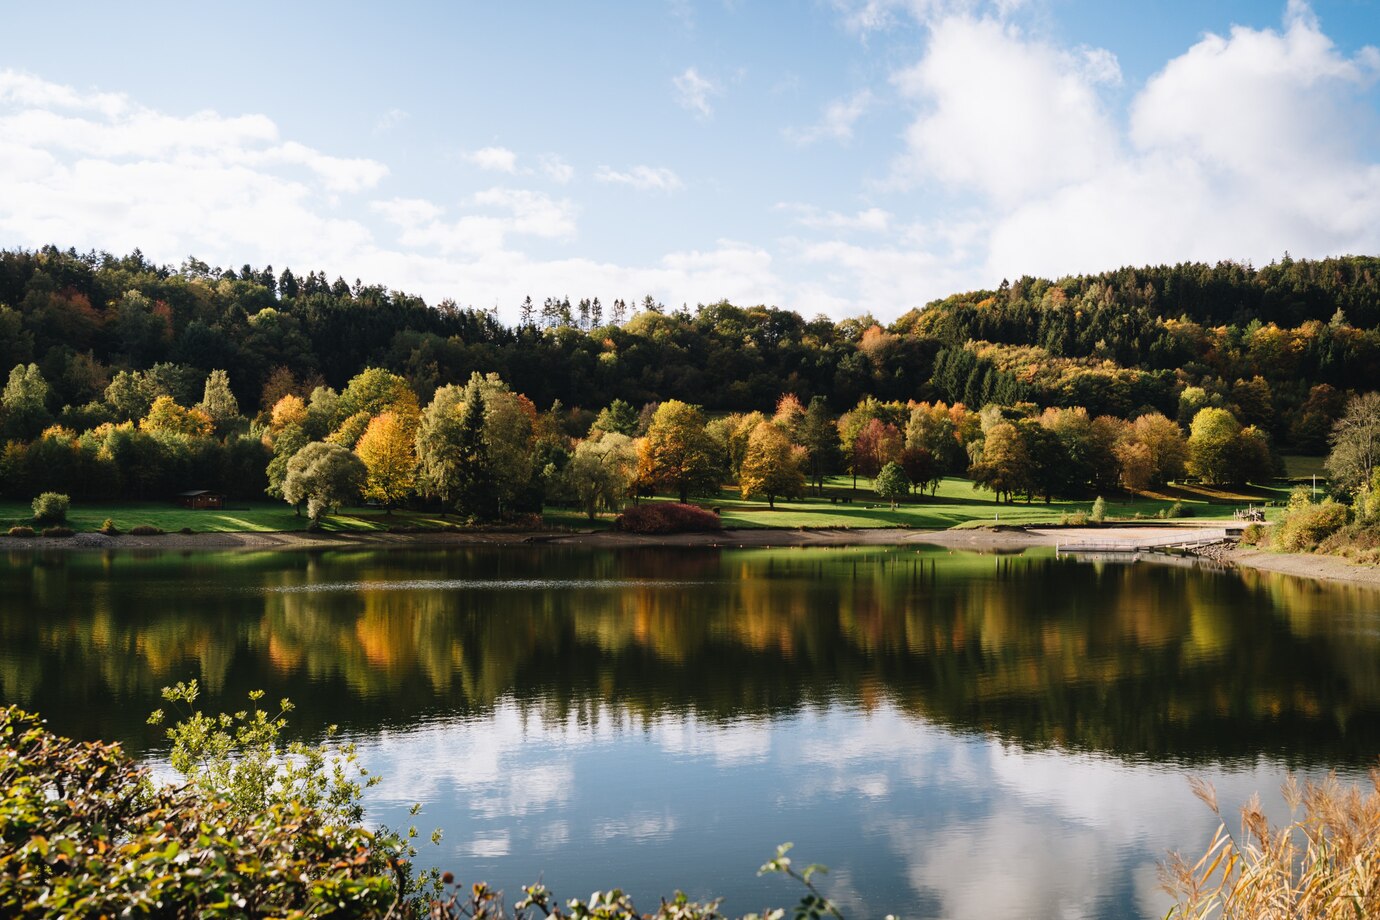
(1280, 344)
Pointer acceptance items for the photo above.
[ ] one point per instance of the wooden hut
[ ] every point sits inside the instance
(201, 500)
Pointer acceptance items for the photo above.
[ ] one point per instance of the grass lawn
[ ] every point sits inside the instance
(240, 517)
(957, 502)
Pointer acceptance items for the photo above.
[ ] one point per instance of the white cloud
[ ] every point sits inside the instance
(869, 220)
(1026, 120)
(694, 91)
(837, 121)
(493, 159)
(555, 169)
(642, 178)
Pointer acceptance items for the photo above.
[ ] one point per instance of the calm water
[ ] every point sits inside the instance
(956, 735)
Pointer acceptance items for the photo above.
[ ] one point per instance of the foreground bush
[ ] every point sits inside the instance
(145, 530)
(1325, 863)
(1305, 525)
(667, 517)
(51, 508)
(83, 833)
(21, 531)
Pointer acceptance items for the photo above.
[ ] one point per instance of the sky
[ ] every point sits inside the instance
(828, 156)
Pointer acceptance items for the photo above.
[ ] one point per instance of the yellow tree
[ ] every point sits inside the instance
(677, 452)
(388, 450)
(167, 416)
(770, 467)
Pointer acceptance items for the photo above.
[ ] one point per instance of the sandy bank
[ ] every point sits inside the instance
(1305, 565)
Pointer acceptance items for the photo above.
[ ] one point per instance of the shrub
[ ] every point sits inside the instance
(186, 530)
(1073, 519)
(145, 530)
(109, 529)
(1099, 511)
(1252, 535)
(58, 531)
(667, 517)
(51, 508)
(21, 531)
(1177, 510)
(1306, 525)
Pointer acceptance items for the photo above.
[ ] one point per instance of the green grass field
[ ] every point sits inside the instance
(957, 503)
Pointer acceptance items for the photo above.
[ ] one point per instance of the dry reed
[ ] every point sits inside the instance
(1324, 864)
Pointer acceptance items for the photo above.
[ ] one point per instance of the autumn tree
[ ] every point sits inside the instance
(771, 466)
(167, 417)
(387, 449)
(677, 453)
(25, 402)
(1165, 445)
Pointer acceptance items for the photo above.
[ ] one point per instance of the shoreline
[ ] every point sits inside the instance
(996, 540)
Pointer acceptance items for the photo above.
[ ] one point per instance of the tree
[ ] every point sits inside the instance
(1355, 443)
(438, 445)
(677, 452)
(167, 417)
(601, 472)
(375, 391)
(771, 467)
(1221, 451)
(25, 402)
(922, 468)
(325, 476)
(618, 416)
(892, 483)
(218, 403)
(819, 436)
(876, 445)
(474, 484)
(387, 448)
(1005, 464)
(1165, 446)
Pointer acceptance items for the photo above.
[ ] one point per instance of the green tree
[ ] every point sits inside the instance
(1213, 452)
(771, 466)
(618, 417)
(325, 476)
(819, 436)
(678, 453)
(600, 473)
(475, 486)
(892, 483)
(25, 402)
(219, 403)
(1355, 443)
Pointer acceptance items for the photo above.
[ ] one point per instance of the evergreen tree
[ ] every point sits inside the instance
(475, 492)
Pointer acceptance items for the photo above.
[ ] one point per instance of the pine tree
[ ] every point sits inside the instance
(526, 318)
(476, 494)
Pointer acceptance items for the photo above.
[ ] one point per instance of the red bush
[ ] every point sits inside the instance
(667, 517)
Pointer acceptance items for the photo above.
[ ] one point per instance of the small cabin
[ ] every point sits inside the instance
(201, 500)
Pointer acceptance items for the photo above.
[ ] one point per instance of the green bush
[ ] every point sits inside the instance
(1099, 511)
(145, 530)
(1305, 525)
(109, 529)
(51, 508)
(1177, 510)
(21, 531)
(58, 531)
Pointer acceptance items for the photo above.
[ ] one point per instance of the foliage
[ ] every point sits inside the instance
(770, 466)
(145, 530)
(601, 473)
(58, 531)
(1306, 524)
(109, 529)
(325, 476)
(21, 531)
(1355, 444)
(1324, 863)
(892, 483)
(678, 453)
(51, 508)
(83, 832)
(387, 451)
(1098, 514)
(167, 417)
(667, 517)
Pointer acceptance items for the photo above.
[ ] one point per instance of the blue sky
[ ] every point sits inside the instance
(838, 157)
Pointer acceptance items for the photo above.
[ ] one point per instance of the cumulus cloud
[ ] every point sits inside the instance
(493, 159)
(555, 168)
(837, 122)
(642, 178)
(693, 92)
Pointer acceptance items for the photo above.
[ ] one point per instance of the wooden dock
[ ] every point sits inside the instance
(1171, 543)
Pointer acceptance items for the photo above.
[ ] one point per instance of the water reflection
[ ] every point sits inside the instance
(957, 735)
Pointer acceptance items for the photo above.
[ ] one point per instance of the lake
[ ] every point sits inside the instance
(954, 734)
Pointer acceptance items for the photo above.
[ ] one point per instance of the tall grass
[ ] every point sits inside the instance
(1325, 863)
